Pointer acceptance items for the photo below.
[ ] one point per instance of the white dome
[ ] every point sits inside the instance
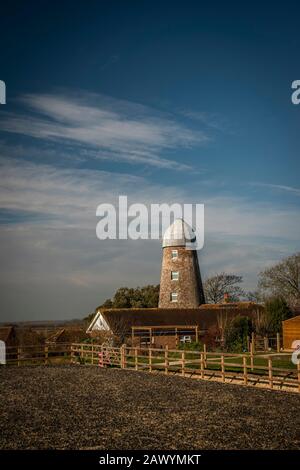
(178, 234)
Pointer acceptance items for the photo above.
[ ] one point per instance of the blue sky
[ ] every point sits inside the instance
(162, 101)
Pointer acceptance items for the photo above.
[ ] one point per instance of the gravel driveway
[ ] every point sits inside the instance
(81, 407)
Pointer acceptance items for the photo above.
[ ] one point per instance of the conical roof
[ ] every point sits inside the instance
(178, 234)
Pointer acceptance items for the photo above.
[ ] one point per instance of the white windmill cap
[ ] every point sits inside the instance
(178, 234)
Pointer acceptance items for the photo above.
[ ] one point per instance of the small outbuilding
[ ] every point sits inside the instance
(290, 331)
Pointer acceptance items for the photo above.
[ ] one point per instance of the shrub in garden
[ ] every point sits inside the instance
(236, 334)
(193, 346)
(277, 310)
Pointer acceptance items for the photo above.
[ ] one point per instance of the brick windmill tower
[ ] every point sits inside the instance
(180, 282)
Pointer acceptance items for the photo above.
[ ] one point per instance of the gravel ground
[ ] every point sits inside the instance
(77, 407)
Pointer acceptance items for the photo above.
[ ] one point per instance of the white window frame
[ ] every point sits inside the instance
(186, 339)
(174, 254)
(175, 298)
(176, 278)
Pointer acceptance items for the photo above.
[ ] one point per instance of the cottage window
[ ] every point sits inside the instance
(145, 340)
(174, 275)
(186, 339)
(174, 254)
(174, 297)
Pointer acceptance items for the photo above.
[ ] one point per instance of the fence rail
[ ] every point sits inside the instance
(272, 371)
(38, 354)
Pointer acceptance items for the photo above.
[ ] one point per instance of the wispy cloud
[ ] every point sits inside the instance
(68, 195)
(104, 127)
(278, 187)
(71, 195)
(213, 120)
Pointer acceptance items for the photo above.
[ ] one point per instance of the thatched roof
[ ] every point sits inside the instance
(204, 316)
(6, 333)
(67, 335)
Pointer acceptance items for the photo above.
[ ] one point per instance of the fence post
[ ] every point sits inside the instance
(266, 343)
(19, 356)
(101, 356)
(46, 355)
(122, 356)
(201, 365)
(182, 363)
(251, 355)
(245, 370)
(125, 357)
(253, 341)
(166, 360)
(278, 342)
(136, 359)
(150, 360)
(204, 351)
(73, 353)
(270, 372)
(223, 368)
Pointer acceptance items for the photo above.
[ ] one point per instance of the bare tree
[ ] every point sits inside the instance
(120, 328)
(261, 323)
(283, 279)
(255, 296)
(215, 287)
(222, 321)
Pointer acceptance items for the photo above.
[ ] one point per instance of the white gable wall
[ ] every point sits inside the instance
(98, 323)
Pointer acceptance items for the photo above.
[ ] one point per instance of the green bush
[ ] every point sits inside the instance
(277, 310)
(236, 334)
(193, 346)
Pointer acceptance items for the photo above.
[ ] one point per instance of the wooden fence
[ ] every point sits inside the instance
(264, 343)
(38, 354)
(272, 371)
